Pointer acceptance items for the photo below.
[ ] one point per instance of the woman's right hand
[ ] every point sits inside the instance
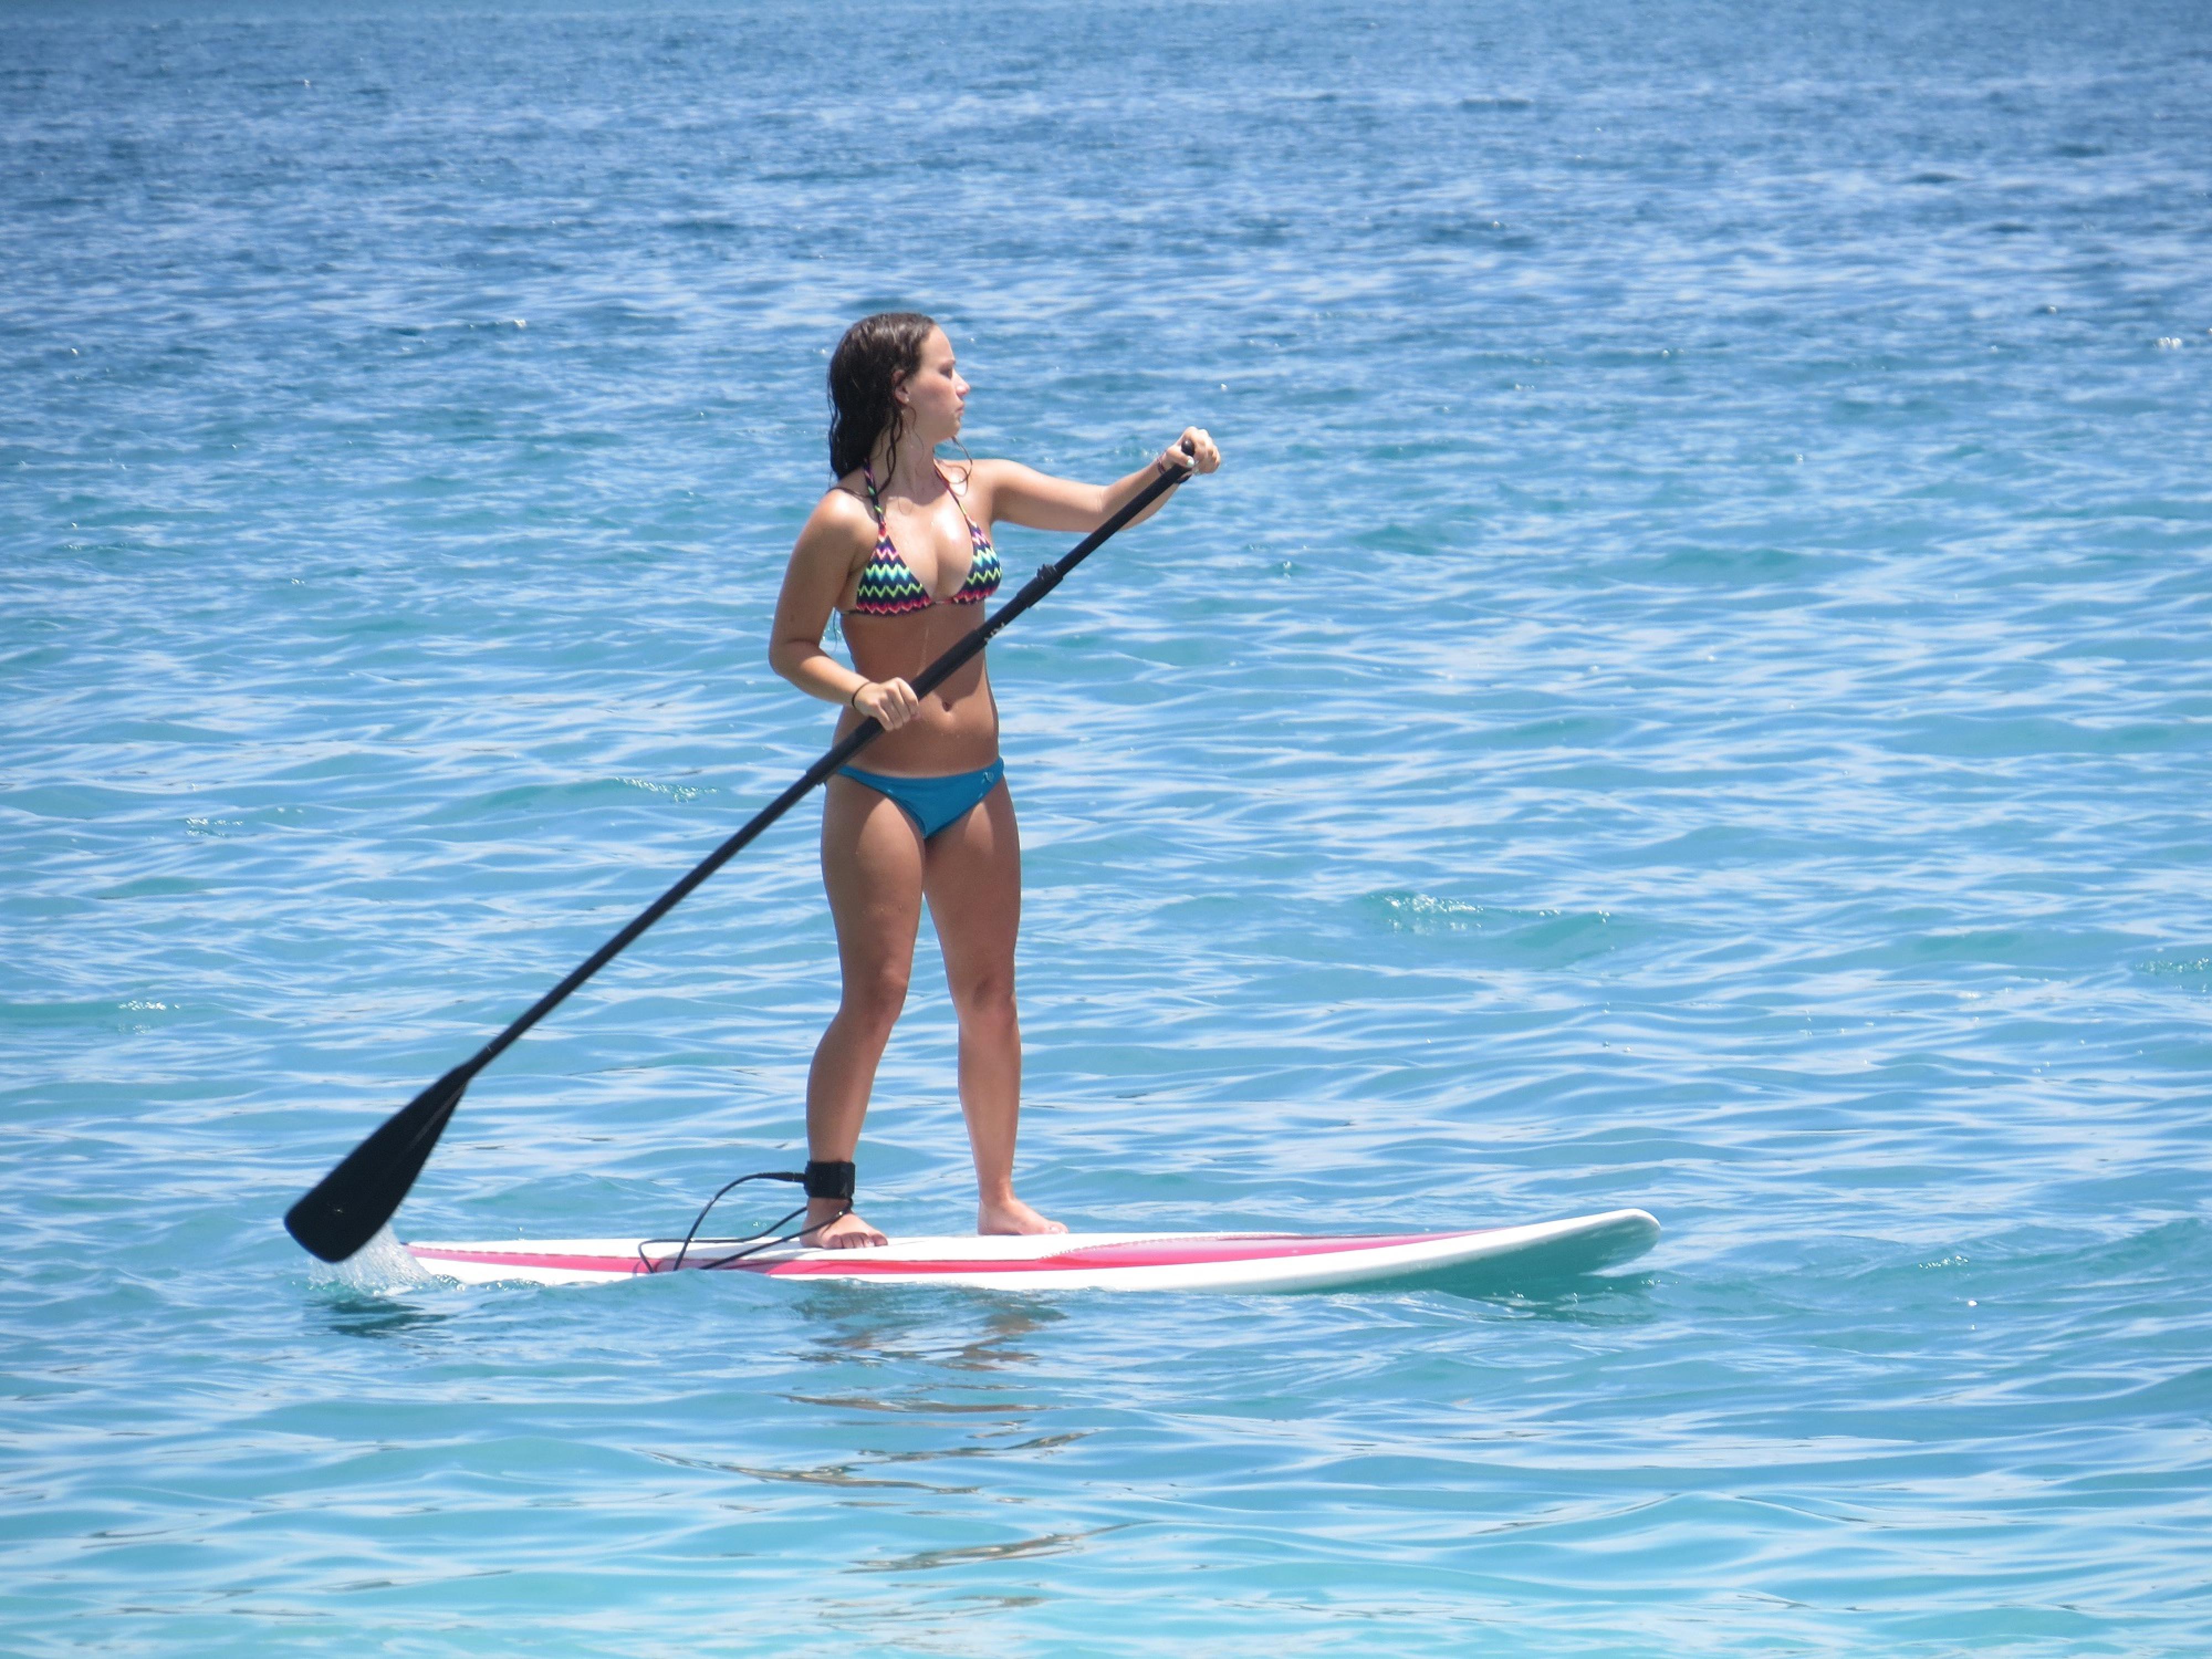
(890, 703)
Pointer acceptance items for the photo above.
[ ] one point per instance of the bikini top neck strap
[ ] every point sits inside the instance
(945, 478)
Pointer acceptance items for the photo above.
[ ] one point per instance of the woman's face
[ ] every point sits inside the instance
(935, 393)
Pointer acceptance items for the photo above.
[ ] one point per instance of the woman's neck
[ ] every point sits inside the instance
(909, 470)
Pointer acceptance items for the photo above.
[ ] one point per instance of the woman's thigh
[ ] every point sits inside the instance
(972, 872)
(872, 866)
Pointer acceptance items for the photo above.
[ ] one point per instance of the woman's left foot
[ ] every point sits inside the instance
(1010, 1215)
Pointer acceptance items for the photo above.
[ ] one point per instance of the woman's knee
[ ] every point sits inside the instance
(876, 997)
(986, 1000)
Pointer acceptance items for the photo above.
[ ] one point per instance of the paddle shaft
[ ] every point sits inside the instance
(963, 651)
(346, 1208)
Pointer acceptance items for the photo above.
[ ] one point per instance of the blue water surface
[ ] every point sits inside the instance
(1690, 691)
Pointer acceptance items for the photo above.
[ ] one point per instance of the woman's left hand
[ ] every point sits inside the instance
(1191, 452)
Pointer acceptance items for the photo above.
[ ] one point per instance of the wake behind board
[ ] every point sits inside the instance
(1494, 1256)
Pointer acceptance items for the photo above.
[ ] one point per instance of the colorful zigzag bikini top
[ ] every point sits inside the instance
(889, 586)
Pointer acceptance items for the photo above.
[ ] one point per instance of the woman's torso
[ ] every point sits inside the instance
(924, 585)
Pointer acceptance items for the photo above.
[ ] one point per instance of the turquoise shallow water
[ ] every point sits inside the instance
(1690, 693)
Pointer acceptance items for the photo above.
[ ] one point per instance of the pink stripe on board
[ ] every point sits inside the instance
(1142, 1253)
(872, 1264)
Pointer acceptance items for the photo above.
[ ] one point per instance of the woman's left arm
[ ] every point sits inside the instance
(1021, 494)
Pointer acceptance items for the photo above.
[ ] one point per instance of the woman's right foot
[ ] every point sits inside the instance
(847, 1233)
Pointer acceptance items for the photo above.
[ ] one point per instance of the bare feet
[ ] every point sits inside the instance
(847, 1233)
(1010, 1215)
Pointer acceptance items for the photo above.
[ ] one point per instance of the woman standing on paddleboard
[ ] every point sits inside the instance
(901, 546)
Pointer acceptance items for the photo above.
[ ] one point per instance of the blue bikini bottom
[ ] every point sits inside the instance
(933, 803)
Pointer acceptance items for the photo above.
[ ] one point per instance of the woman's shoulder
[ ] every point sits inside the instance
(845, 503)
(963, 471)
(974, 480)
(840, 519)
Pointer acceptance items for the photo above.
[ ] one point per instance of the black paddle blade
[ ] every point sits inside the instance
(353, 1200)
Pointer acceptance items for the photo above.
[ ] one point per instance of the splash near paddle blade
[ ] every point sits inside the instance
(350, 1203)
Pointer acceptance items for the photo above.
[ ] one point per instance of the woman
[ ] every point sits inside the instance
(901, 547)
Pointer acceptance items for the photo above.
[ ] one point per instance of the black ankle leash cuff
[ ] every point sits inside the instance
(829, 1181)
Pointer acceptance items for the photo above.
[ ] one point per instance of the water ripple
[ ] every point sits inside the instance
(1689, 693)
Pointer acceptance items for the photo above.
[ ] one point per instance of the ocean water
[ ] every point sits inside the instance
(1690, 691)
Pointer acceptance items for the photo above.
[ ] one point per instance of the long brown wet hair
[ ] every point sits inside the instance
(875, 355)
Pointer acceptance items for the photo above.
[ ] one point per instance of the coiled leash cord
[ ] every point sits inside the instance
(821, 1179)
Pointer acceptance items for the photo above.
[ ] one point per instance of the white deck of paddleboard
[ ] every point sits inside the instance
(1066, 1262)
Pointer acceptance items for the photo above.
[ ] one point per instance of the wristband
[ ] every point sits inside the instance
(852, 700)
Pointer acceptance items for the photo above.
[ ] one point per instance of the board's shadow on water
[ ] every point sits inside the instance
(353, 1313)
(984, 1332)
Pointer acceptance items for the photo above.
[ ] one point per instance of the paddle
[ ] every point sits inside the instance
(353, 1201)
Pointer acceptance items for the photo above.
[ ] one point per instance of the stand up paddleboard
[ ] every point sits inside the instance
(1498, 1257)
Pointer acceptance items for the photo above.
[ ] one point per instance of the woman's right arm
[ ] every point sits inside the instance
(1022, 496)
(821, 564)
